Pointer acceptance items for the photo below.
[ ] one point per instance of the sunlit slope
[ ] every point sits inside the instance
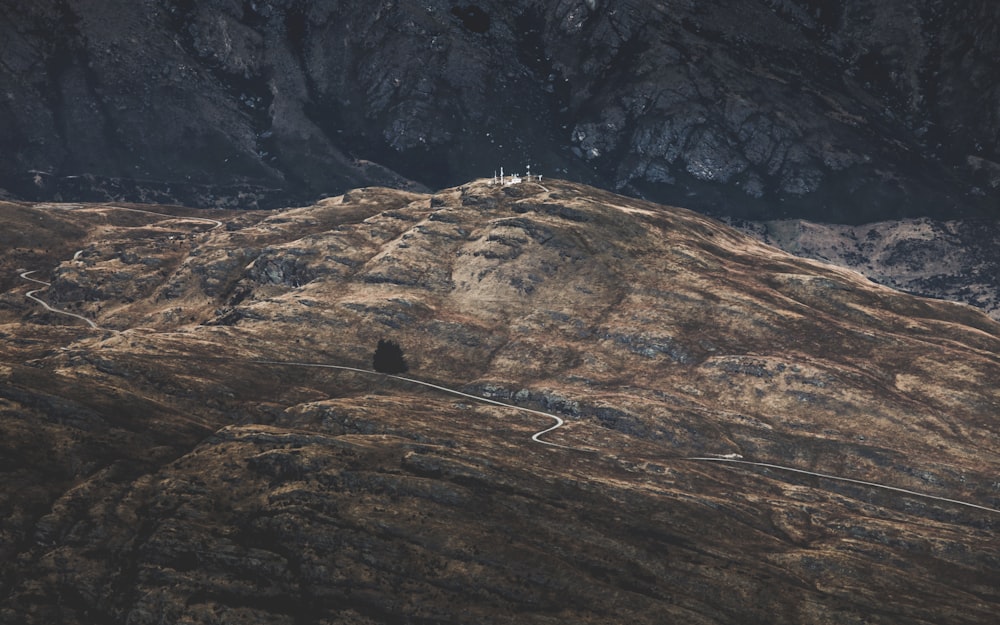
(184, 462)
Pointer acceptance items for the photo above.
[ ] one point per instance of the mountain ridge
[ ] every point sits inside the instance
(842, 112)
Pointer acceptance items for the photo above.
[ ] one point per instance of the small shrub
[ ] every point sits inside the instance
(389, 358)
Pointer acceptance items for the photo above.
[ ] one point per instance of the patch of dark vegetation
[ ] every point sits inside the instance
(395, 214)
(448, 217)
(381, 278)
(389, 358)
(556, 210)
(539, 233)
(486, 202)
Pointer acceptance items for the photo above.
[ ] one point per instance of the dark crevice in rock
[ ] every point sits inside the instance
(473, 18)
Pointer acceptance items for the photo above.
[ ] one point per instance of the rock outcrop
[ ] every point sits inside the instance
(950, 260)
(828, 111)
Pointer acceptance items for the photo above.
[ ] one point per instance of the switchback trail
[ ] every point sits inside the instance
(31, 295)
(559, 422)
(215, 223)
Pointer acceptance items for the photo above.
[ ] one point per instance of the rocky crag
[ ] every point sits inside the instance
(846, 112)
(953, 260)
(183, 463)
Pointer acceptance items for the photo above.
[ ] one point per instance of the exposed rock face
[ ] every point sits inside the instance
(182, 465)
(846, 111)
(952, 260)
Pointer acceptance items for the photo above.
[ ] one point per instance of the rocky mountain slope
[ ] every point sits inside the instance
(189, 462)
(847, 111)
(954, 260)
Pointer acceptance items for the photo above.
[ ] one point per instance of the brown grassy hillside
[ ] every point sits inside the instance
(182, 464)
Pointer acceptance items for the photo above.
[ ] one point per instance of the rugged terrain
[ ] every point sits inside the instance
(844, 111)
(185, 462)
(954, 260)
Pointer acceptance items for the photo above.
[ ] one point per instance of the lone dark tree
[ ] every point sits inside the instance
(389, 358)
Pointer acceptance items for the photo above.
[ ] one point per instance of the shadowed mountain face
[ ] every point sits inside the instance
(952, 260)
(182, 464)
(848, 111)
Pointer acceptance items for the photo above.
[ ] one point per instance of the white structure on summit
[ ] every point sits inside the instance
(513, 178)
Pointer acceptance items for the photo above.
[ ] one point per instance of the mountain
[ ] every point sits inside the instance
(743, 436)
(845, 112)
(954, 260)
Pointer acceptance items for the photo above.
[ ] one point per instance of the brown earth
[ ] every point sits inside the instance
(159, 470)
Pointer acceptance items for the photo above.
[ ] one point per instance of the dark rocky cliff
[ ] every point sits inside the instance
(830, 111)
(952, 260)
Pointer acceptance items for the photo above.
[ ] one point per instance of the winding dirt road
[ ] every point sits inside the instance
(31, 295)
(849, 480)
(559, 422)
(205, 220)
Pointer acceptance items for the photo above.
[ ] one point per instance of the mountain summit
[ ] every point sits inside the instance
(614, 411)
